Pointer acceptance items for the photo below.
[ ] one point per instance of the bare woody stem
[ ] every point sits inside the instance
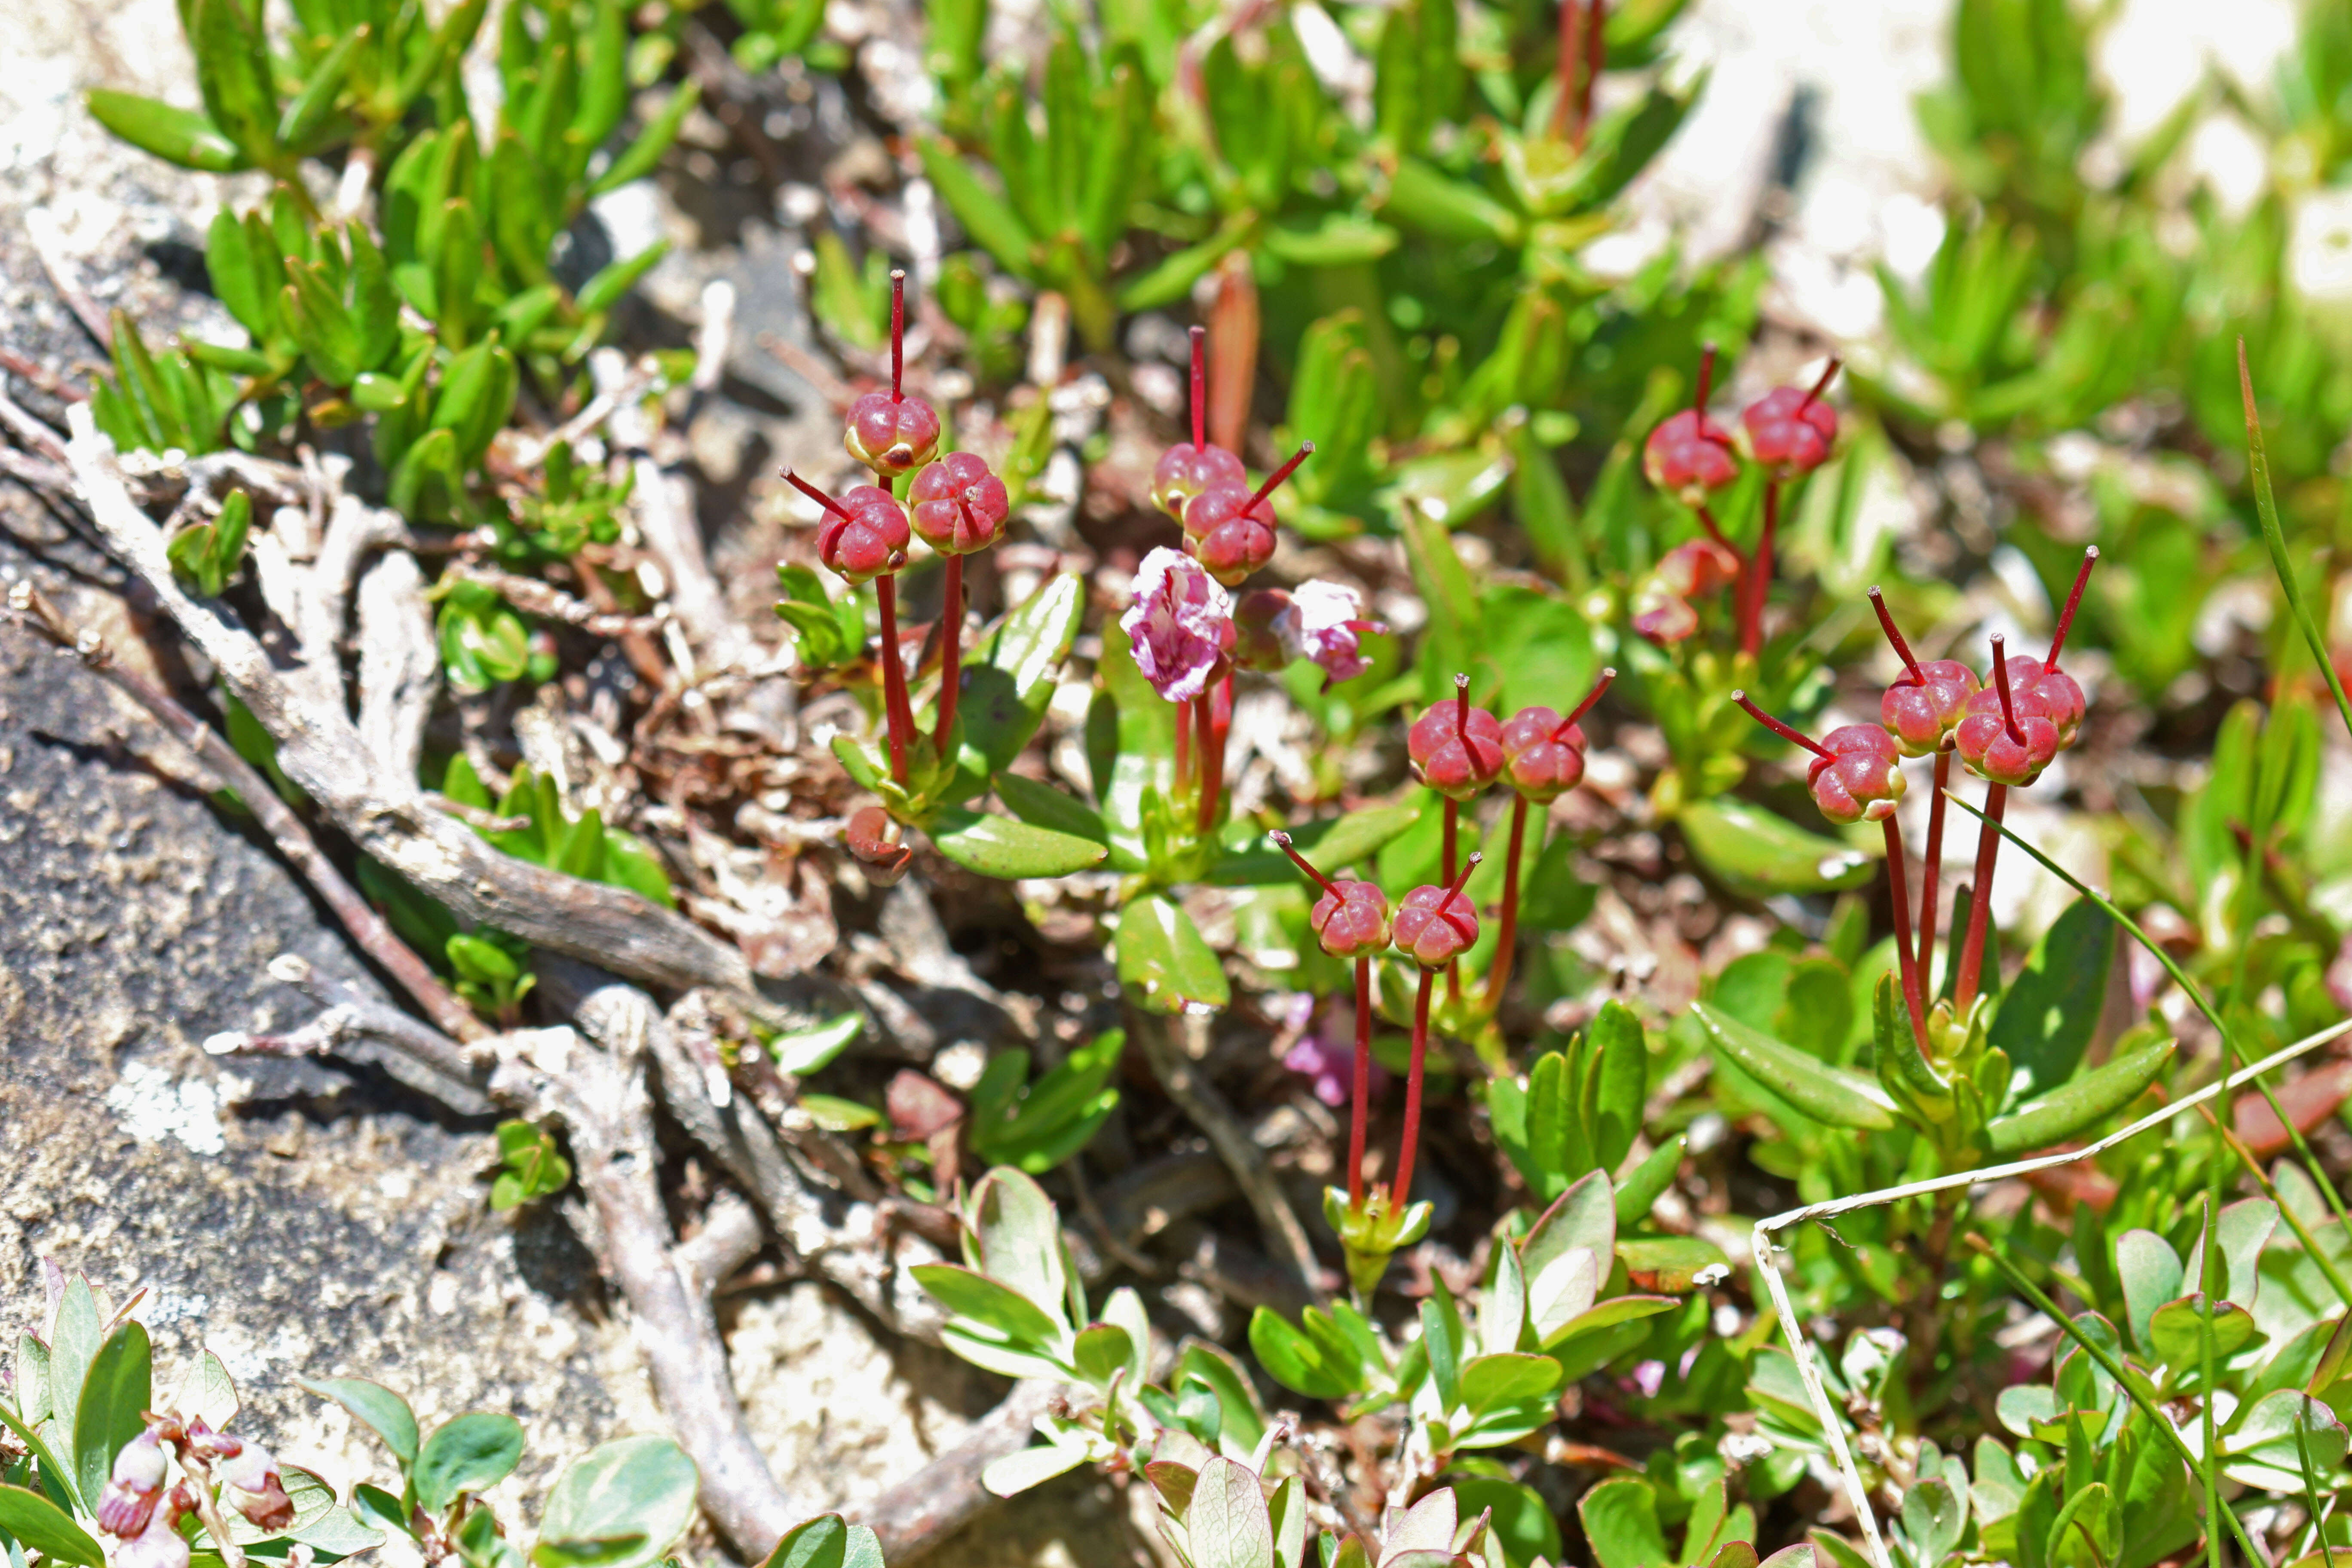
(1964, 983)
(897, 332)
(1200, 336)
(1907, 960)
(1506, 933)
(2073, 603)
(1360, 1108)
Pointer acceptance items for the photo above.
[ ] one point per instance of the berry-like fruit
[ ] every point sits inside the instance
(959, 506)
(1436, 925)
(1788, 432)
(1455, 748)
(1861, 779)
(1689, 457)
(1185, 470)
(867, 538)
(1922, 713)
(891, 435)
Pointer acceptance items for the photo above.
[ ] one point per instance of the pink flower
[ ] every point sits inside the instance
(1324, 622)
(133, 1487)
(254, 1490)
(159, 1545)
(1328, 1056)
(1182, 623)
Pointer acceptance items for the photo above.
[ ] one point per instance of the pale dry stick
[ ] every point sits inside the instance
(531, 451)
(400, 669)
(321, 750)
(534, 597)
(1760, 1244)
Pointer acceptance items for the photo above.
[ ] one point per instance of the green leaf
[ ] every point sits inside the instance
(1757, 854)
(2151, 1275)
(1008, 676)
(642, 1486)
(2274, 539)
(2175, 1331)
(808, 1051)
(826, 1542)
(74, 1345)
(1668, 1262)
(1043, 805)
(233, 74)
(1312, 1358)
(1164, 963)
(1639, 1192)
(1810, 1086)
(1621, 1523)
(1007, 847)
(651, 143)
(181, 136)
(309, 108)
(985, 216)
(2075, 1106)
(1518, 1516)
(1506, 1378)
(1228, 1525)
(471, 1454)
(114, 1399)
(1331, 844)
(38, 1524)
(604, 290)
(2052, 1009)
(997, 1306)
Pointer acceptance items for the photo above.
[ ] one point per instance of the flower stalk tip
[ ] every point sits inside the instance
(1200, 336)
(2073, 603)
(1787, 733)
(1894, 637)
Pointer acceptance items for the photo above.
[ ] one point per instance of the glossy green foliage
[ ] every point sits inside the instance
(1037, 1125)
(546, 832)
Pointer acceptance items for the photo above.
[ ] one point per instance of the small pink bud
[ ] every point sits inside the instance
(1185, 470)
(1325, 626)
(1697, 568)
(1455, 748)
(959, 506)
(1661, 615)
(1352, 918)
(864, 533)
(1861, 779)
(1437, 925)
(1689, 457)
(1791, 432)
(1543, 753)
(2008, 735)
(891, 434)
(134, 1487)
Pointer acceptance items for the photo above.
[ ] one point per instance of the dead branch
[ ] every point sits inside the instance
(927, 1506)
(28, 609)
(358, 1027)
(1189, 1087)
(400, 670)
(321, 750)
(601, 1097)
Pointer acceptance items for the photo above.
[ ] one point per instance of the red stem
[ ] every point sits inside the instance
(1507, 937)
(897, 331)
(1829, 374)
(815, 494)
(1964, 986)
(1608, 673)
(1445, 874)
(1931, 887)
(1401, 1189)
(1759, 576)
(1212, 764)
(896, 712)
(2073, 603)
(1306, 450)
(1706, 383)
(1282, 842)
(1714, 532)
(1894, 636)
(1183, 745)
(950, 652)
(1596, 56)
(1199, 387)
(1794, 736)
(1359, 1109)
(2001, 680)
(1571, 49)
(1906, 960)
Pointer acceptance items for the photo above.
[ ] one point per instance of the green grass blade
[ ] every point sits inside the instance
(2273, 536)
